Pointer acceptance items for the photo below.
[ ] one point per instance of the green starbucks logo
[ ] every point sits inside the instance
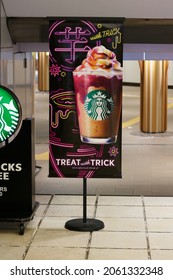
(10, 114)
(99, 105)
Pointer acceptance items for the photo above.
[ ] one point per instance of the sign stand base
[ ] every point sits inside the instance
(80, 225)
(85, 224)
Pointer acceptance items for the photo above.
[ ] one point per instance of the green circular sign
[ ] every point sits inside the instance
(10, 114)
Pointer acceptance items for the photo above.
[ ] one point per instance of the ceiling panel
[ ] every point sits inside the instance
(108, 8)
(35, 29)
(28, 19)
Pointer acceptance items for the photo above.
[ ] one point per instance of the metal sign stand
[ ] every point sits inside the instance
(84, 224)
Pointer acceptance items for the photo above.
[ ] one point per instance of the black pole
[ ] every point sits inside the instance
(84, 200)
(84, 223)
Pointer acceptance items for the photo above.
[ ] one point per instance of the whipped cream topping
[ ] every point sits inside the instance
(99, 58)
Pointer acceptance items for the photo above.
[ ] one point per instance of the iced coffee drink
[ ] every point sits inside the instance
(98, 88)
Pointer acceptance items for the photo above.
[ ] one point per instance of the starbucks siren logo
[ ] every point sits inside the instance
(9, 114)
(99, 104)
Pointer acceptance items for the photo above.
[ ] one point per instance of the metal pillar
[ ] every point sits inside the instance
(43, 71)
(153, 109)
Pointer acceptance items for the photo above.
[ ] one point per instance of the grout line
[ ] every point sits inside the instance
(90, 236)
(88, 246)
(37, 227)
(95, 206)
(146, 229)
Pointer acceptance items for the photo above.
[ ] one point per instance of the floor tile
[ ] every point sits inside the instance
(160, 225)
(117, 254)
(60, 238)
(119, 211)
(161, 240)
(118, 240)
(119, 200)
(159, 212)
(72, 199)
(122, 238)
(12, 238)
(43, 199)
(40, 211)
(158, 201)
(162, 254)
(124, 224)
(55, 253)
(69, 210)
(34, 223)
(54, 222)
(12, 253)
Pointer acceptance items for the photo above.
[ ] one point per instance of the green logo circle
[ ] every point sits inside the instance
(10, 114)
(99, 104)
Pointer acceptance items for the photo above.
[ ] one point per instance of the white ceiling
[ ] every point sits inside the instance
(90, 8)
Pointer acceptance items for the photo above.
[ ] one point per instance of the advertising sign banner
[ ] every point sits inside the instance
(10, 115)
(85, 97)
(17, 160)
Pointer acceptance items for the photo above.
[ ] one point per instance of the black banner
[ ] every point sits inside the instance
(85, 97)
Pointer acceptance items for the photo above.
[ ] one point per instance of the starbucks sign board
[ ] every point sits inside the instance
(86, 75)
(10, 115)
(17, 159)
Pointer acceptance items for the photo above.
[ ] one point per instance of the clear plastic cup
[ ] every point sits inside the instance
(99, 102)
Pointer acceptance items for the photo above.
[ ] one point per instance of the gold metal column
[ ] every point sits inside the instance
(43, 71)
(153, 110)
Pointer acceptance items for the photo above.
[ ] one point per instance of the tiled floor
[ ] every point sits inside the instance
(135, 228)
(137, 210)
